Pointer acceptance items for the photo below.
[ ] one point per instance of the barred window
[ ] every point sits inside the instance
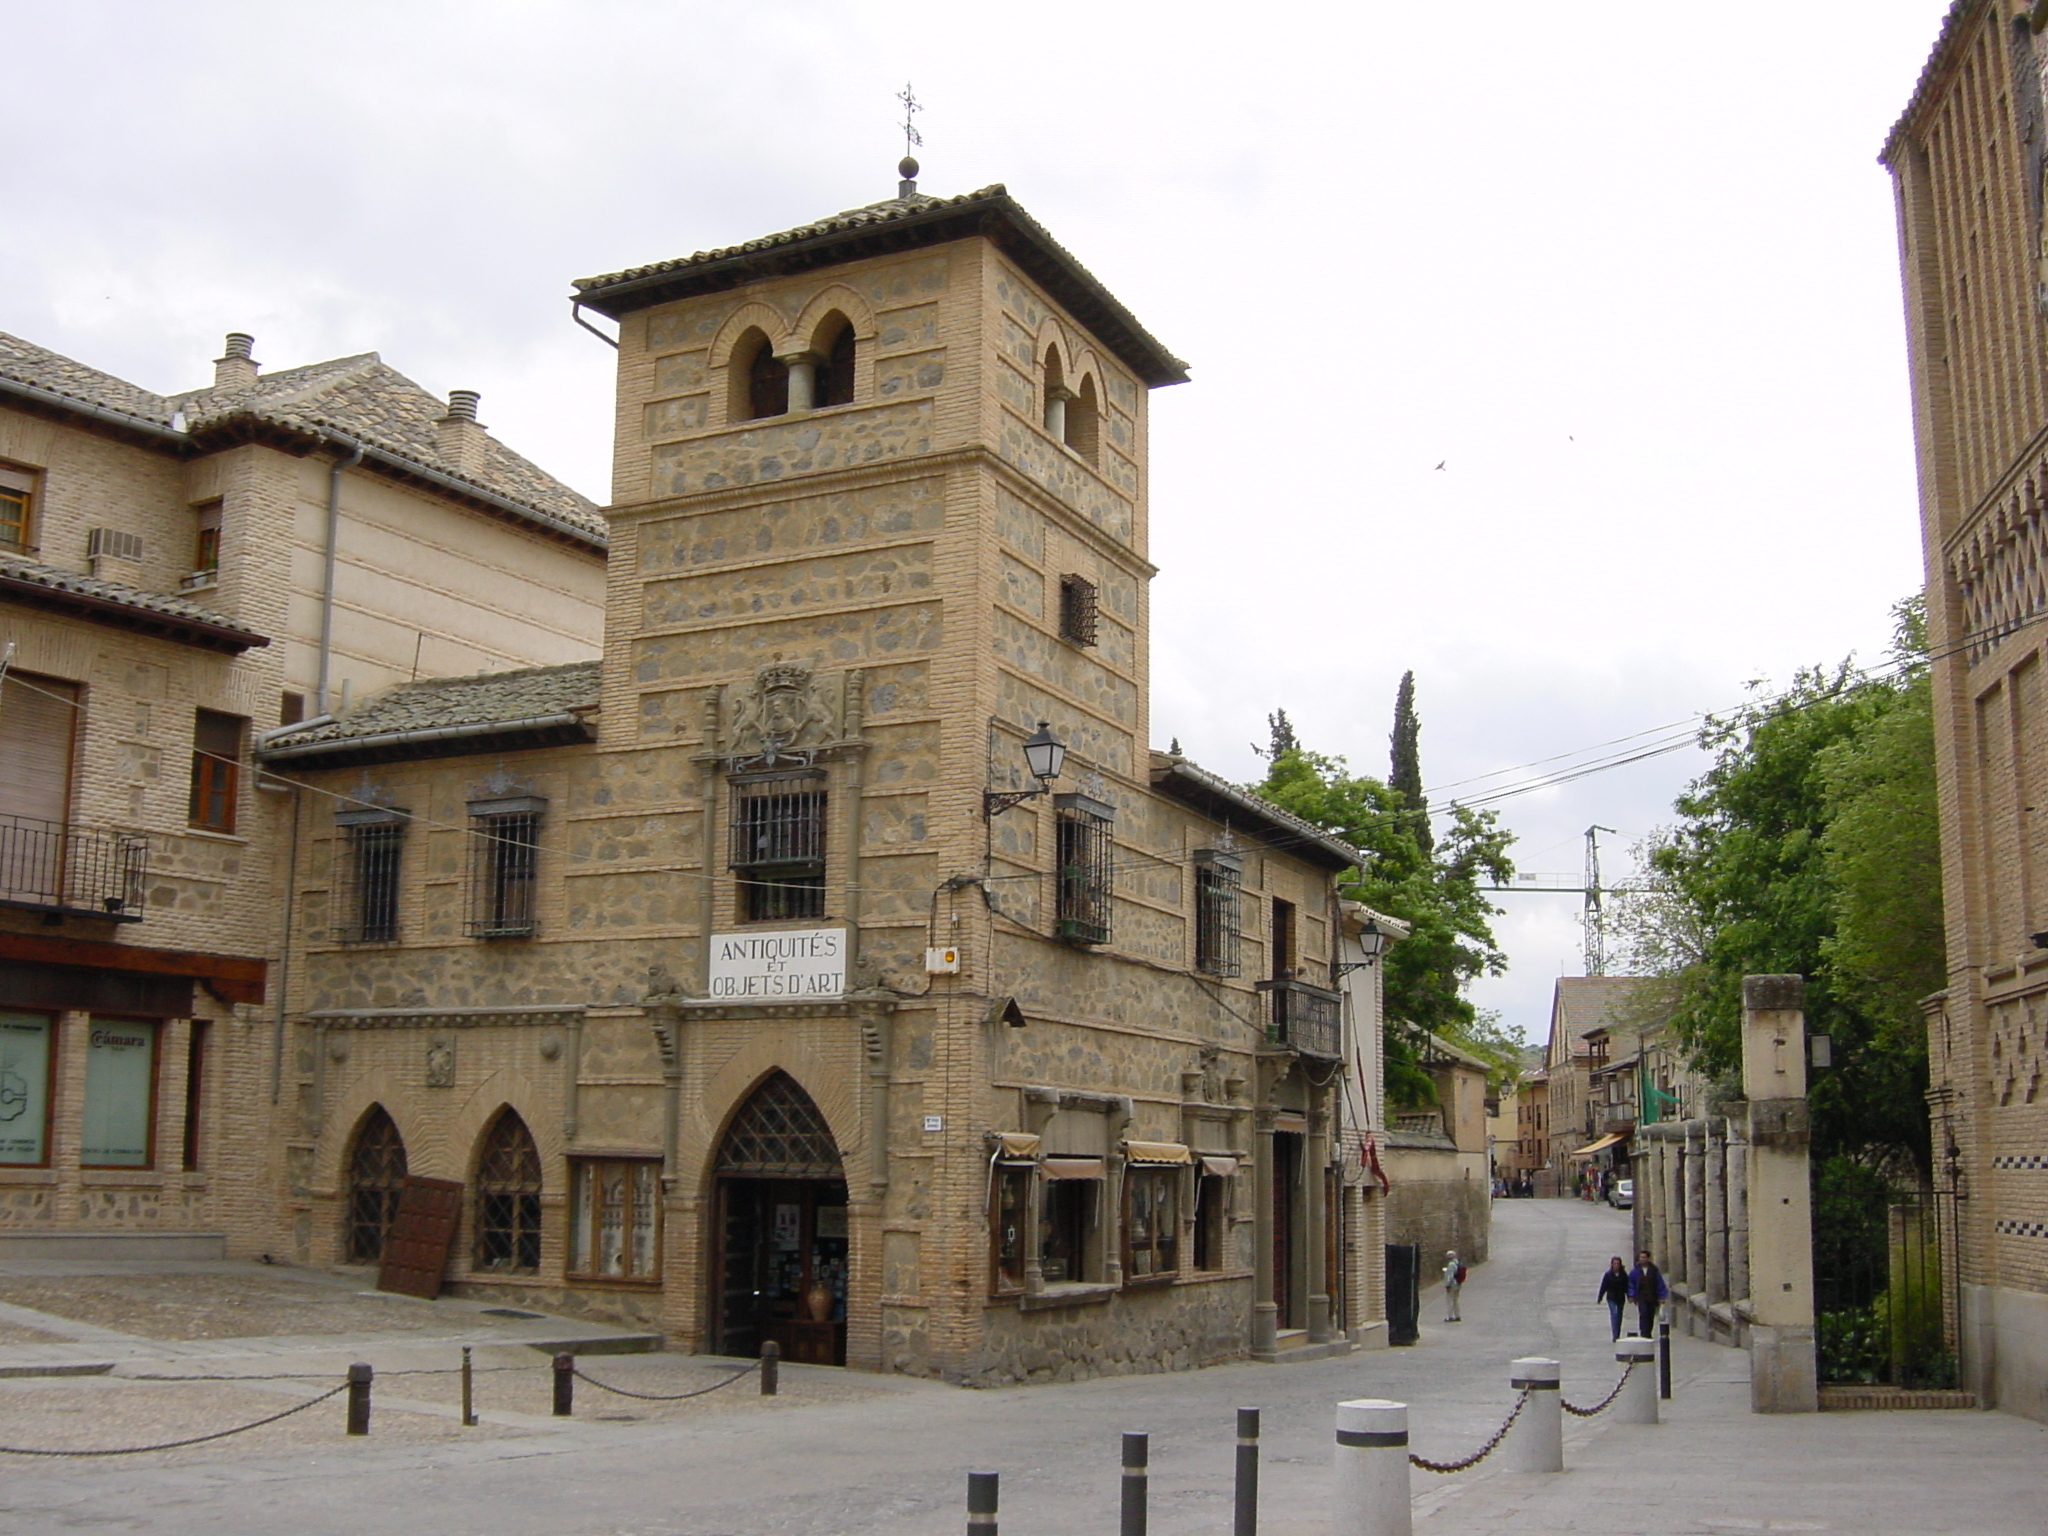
(504, 853)
(366, 885)
(617, 1221)
(376, 1176)
(778, 846)
(1077, 610)
(1151, 1222)
(508, 1198)
(1217, 882)
(1086, 869)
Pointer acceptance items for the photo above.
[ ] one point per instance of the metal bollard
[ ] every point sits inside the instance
(1371, 1483)
(771, 1367)
(359, 1377)
(468, 1392)
(981, 1503)
(1664, 1355)
(1247, 1521)
(565, 1386)
(1536, 1443)
(1638, 1401)
(1136, 1453)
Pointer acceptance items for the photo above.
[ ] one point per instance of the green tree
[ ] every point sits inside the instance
(1810, 846)
(1437, 894)
(1405, 758)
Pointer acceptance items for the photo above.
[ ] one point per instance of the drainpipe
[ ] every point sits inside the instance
(334, 473)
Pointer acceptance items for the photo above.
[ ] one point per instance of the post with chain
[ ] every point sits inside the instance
(1247, 1522)
(1664, 1355)
(565, 1386)
(771, 1367)
(359, 1376)
(1536, 1442)
(1637, 1402)
(1371, 1485)
(468, 1391)
(1137, 1452)
(982, 1489)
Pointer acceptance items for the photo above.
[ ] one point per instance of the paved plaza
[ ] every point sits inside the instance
(841, 1452)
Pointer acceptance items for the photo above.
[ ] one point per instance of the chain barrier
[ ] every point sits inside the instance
(666, 1397)
(1484, 1451)
(1605, 1402)
(439, 1370)
(173, 1445)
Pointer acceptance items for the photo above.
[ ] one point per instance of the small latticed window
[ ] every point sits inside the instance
(616, 1221)
(778, 846)
(1151, 1222)
(779, 1134)
(1077, 610)
(376, 1174)
(1217, 882)
(1086, 869)
(508, 1198)
(366, 883)
(504, 853)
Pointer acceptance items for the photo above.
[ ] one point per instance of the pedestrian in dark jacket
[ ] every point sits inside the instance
(1646, 1288)
(1614, 1291)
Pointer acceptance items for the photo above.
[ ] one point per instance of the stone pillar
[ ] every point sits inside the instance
(1056, 398)
(1782, 1366)
(1671, 1257)
(1315, 1181)
(1695, 1211)
(1738, 1214)
(803, 380)
(1265, 1311)
(1715, 1281)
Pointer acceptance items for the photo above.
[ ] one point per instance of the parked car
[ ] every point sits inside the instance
(1621, 1194)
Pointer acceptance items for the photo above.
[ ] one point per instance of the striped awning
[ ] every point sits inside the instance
(1599, 1146)
(1015, 1146)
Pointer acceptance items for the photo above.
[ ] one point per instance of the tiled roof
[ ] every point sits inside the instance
(360, 397)
(1175, 775)
(1937, 59)
(493, 698)
(898, 223)
(99, 596)
(1583, 1003)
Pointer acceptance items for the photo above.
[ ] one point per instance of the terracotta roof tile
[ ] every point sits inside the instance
(487, 699)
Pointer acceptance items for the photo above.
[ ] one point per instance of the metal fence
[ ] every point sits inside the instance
(1885, 1300)
(53, 866)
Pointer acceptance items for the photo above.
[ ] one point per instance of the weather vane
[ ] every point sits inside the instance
(912, 139)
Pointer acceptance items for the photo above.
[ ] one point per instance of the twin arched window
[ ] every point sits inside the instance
(1072, 416)
(763, 384)
(506, 1212)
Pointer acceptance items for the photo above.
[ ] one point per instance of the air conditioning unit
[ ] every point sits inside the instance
(113, 543)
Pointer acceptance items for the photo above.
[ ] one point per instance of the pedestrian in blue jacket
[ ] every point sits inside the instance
(1646, 1288)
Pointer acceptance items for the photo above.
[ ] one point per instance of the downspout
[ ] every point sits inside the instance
(284, 961)
(328, 562)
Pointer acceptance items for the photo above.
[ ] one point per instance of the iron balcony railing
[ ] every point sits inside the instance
(50, 866)
(1615, 1118)
(1307, 1017)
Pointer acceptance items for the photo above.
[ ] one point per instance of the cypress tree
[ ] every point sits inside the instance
(1406, 775)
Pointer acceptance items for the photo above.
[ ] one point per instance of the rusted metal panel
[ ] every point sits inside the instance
(416, 1251)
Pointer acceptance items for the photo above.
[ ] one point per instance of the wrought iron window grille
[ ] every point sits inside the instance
(1085, 870)
(1218, 911)
(777, 846)
(1077, 610)
(1304, 1016)
(508, 1190)
(367, 888)
(504, 862)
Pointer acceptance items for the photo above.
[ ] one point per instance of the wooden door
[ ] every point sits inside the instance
(422, 1233)
(1286, 1167)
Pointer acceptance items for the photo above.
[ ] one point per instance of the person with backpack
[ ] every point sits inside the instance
(1646, 1288)
(1454, 1281)
(1614, 1291)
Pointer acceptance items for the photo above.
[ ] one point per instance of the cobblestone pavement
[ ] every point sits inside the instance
(840, 1452)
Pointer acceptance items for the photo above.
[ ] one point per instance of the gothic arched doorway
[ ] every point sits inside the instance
(779, 1260)
(376, 1173)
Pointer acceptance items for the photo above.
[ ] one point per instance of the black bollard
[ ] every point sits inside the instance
(1664, 1356)
(981, 1503)
(1247, 1523)
(468, 1392)
(771, 1367)
(359, 1399)
(1135, 1456)
(565, 1386)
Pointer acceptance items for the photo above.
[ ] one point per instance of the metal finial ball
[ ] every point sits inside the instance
(907, 168)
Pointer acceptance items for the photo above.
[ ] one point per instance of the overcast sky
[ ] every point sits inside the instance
(1627, 273)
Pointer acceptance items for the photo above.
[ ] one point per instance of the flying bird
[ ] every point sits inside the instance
(1442, 462)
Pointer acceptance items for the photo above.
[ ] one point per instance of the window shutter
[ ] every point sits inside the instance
(36, 732)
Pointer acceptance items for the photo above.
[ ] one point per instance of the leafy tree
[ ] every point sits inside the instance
(1810, 846)
(1405, 765)
(1436, 893)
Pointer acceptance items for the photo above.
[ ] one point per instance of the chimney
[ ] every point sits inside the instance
(462, 435)
(237, 367)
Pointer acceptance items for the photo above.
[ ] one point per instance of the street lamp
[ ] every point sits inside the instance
(1045, 755)
(1372, 941)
